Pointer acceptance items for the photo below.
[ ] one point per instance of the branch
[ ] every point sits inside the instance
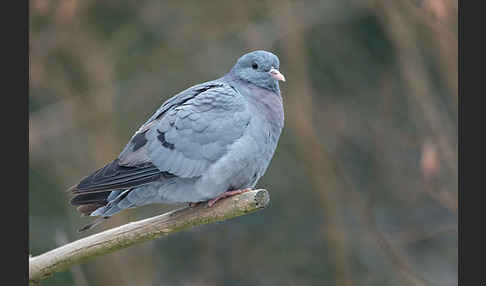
(61, 258)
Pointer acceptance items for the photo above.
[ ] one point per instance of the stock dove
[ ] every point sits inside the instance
(210, 141)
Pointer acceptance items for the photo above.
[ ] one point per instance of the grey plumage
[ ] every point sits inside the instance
(213, 137)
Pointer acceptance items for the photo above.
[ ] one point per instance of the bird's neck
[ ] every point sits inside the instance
(265, 101)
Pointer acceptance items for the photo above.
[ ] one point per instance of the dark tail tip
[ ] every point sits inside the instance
(87, 209)
(93, 223)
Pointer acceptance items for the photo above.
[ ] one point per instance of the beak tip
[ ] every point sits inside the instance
(277, 75)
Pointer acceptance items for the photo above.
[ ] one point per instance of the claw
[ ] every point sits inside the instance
(227, 194)
(193, 205)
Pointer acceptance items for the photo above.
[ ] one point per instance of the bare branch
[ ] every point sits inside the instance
(59, 259)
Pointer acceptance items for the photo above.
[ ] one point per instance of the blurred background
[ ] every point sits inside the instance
(364, 181)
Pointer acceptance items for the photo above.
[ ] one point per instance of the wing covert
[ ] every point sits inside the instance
(185, 136)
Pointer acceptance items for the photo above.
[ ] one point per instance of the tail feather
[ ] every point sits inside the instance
(88, 203)
(90, 198)
(93, 223)
(103, 205)
(87, 209)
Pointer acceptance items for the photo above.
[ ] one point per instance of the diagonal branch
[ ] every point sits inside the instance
(61, 258)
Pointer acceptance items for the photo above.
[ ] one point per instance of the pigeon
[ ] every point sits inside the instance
(210, 141)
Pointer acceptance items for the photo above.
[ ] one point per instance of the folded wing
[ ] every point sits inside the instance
(182, 139)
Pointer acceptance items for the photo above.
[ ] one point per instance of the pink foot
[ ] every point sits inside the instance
(227, 194)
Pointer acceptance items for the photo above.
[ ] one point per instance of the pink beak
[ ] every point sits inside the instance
(276, 74)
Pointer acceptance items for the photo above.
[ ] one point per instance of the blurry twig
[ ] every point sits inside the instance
(445, 198)
(410, 236)
(323, 172)
(438, 123)
(416, 79)
(61, 258)
(399, 261)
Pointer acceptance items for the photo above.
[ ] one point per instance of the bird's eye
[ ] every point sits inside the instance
(254, 66)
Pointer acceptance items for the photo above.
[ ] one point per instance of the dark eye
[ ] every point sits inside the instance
(254, 66)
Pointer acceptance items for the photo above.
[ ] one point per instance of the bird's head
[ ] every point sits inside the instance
(260, 68)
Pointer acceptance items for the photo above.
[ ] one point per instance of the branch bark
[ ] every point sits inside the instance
(61, 258)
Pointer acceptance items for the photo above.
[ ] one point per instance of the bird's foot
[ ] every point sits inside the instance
(227, 194)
